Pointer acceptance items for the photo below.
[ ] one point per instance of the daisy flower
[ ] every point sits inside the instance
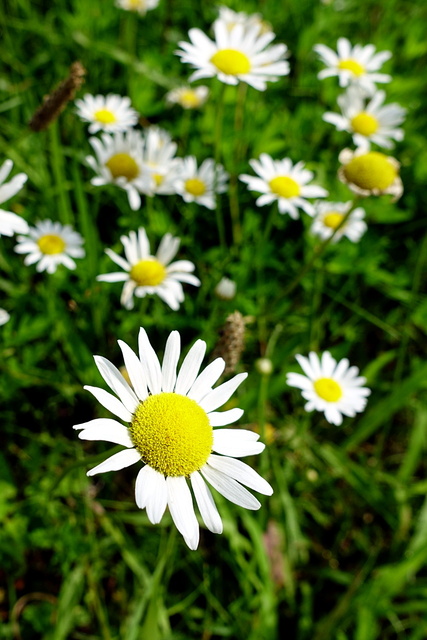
(335, 389)
(237, 55)
(145, 274)
(10, 223)
(140, 6)
(4, 317)
(370, 173)
(109, 113)
(329, 216)
(119, 161)
(282, 181)
(49, 244)
(230, 18)
(370, 122)
(172, 418)
(188, 97)
(158, 157)
(225, 289)
(200, 184)
(356, 65)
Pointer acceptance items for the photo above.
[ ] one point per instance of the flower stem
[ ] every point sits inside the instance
(217, 157)
(237, 153)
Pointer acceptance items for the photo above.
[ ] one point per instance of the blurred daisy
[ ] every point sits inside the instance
(145, 274)
(230, 18)
(368, 123)
(282, 181)
(172, 418)
(109, 113)
(370, 173)
(225, 289)
(158, 157)
(10, 223)
(119, 161)
(240, 54)
(356, 65)
(200, 184)
(4, 317)
(49, 244)
(335, 389)
(140, 6)
(329, 216)
(188, 97)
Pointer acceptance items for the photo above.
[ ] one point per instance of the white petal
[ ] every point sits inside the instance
(206, 503)
(117, 383)
(203, 383)
(150, 363)
(107, 430)
(181, 508)
(116, 462)
(110, 402)
(232, 442)
(170, 361)
(190, 367)
(241, 472)
(221, 394)
(221, 418)
(151, 492)
(229, 488)
(135, 370)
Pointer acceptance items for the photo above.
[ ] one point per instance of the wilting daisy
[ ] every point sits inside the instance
(145, 274)
(158, 157)
(172, 418)
(329, 216)
(10, 223)
(199, 184)
(119, 161)
(109, 113)
(282, 181)
(356, 65)
(140, 6)
(188, 97)
(4, 316)
(335, 389)
(230, 18)
(50, 244)
(370, 173)
(370, 122)
(240, 54)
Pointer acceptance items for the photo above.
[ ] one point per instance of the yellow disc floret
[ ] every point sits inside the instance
(332, 219)
(50, 244)
(148, 273)
(231, 61)
(195, 186)
(189, 99)
(364, 123)
(105, 116)
(172, 433)
(371, 170)
(122, 165)
(352, 65)
(328, 389)
(285, 187)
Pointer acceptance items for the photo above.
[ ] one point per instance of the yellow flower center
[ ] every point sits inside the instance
(364, 123)
(231, 61)
(172, 433)
(122, 165)
(158, 179)
(189, 99)
(333, 219)
(352, 65)
(328, 389)
(148, 273)
(51, 244)
(195, 186)
(285, 187)
(136, 4)
(371, 170)
(105, 116)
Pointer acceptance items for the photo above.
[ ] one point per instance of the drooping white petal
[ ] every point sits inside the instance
(151, 492)
(241, 472)
(206, 503)
(229, 488)
(110, 402)
(190, 367)
(182, 510)
(116, 462)
(221, 394)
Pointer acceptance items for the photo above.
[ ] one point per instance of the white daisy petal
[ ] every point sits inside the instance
(117, 383)
(190, 367)
(116, 462)
(206, 503)
(221, 394)
(229, 488)
(208, 377)
(110, 402)
(150, 362)
(182, 511)
(107, 430)
(241, 472)
(222, 418)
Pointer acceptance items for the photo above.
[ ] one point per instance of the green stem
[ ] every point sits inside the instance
(65, 210)
(237, 153)
(217, 156)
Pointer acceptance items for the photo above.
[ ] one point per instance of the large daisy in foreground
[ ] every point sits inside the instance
(172, 422)
(10, 223)
(331, 387)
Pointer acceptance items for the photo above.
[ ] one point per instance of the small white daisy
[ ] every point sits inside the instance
(188, 97)
(329, 216)
(158, 157)
(201, 184)
(109, 113)
(140, 6)
(50, 244)
(370, 173)
(172, 418)
(4, 317)
(356, 65)
(282, 181)
(335, 389)
(119, 161)
(225, 289)
(230, 18)
(10, 223)
(145, 274)
(241, 54)
(370, 122)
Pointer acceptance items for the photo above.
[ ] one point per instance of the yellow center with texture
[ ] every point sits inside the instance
(122, 165)
(333, 219)
(51, 244)
(104, 116)
(148, 273)
(231, 62)
(328, 389)
(172, 433)
(371, 170)
(352, 65)
(285, 187)
(195, 186)
(189, 99)
(364, 123)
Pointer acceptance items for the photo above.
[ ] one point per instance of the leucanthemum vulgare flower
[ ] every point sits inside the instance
(237, 55)
(369, 173)
(109, 113)
(139, 6)
(119, 161)
(230, 18)
(200, 184)
(282, 181)
(329, 216)
(4, 317)
(188, 97)
(50, 244)
(356, 65)
(145, 274)
(10, 223)
(172, 430)
(331, 387)
(158, 158)
(371, 122)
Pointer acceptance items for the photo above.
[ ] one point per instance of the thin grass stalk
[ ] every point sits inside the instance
(217, 156)
(65, 210)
